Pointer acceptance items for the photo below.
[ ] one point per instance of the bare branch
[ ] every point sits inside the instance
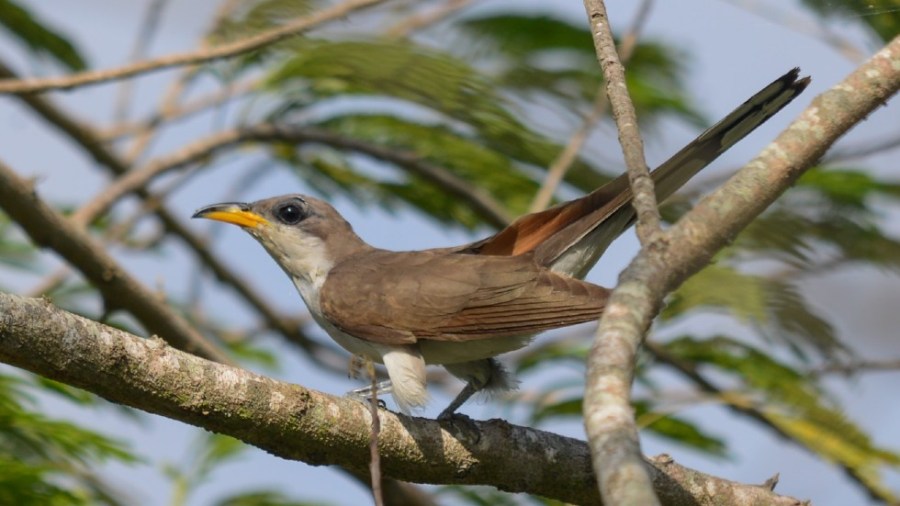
(84, 136)
(690, 244)
(873, 148)
(608, 416)
(644, 200)
(567, 156)
(420, 21)
(168, 113)
(296, 423)
(119, 289)
(482, 203)
(848, 368)
(204, 56)
(149, 25)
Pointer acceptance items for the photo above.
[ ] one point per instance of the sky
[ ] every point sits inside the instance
(733, 55)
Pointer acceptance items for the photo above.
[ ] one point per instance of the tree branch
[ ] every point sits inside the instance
(47, 228)
(644, 200)
(691, 243)
(563, 162)
(224, 51)
(86, 137)
(423, 20)
(608, 415)
(300, 424)
(690, 371)
(491, 211)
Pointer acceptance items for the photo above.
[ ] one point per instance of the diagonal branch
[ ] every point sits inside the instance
(691, 243)
(644, 200)
(608, 415)
(300, 424)
(246, 45)
(47, 228)
(690, 371)
(563, 162)
(422, 20)
(490, 210)
(149, 26)
(87, 139)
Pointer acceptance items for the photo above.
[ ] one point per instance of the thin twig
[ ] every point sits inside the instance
(145, 34)
(483, 204)
(644, 200)
(51, 282)
(425, 19)
(814, 29)
(168, 114)
(622, 474)
(567, 156)
(374, 456)
(246, 45)
(850, 153)
(857, 367)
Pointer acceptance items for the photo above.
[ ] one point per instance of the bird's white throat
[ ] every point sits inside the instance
(306, 260)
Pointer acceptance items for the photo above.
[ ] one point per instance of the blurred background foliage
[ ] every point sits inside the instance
(487, 101)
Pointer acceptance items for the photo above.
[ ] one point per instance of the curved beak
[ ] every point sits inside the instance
(236, 213)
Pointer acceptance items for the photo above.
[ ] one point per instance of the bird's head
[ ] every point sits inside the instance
(305, 235)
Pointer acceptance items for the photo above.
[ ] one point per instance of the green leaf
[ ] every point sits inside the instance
(14, 251)
(779, 233)
(483, 496)
(773, 305)
(263, 498)
(676, 429)
(880, 16)
(425, 78)
(573, 350)
(32, 32)
(794, 403)
(70, 393)
(847, 187)
(554, 403)
(47, 461)
(827, 220)
(23, 483)
(514, 34)
(248, 352)
(215, 450)
(465, 158)
(250, 17)
(562, 62)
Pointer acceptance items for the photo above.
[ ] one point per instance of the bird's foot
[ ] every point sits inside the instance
(365, 394)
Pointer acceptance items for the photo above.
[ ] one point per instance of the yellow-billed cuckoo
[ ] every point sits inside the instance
(460, 307)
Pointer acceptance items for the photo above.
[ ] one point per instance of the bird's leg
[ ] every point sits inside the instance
(487, 375)
(470, 389)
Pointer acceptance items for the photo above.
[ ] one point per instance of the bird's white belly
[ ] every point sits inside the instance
(454, 352)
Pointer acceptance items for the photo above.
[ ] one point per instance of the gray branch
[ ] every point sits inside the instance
(301, 424)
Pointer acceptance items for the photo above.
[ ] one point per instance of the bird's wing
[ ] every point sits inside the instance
(399, 298)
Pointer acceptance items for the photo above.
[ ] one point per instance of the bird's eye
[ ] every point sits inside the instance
(290, 214)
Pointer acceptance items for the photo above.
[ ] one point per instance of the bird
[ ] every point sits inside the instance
(460, 307)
